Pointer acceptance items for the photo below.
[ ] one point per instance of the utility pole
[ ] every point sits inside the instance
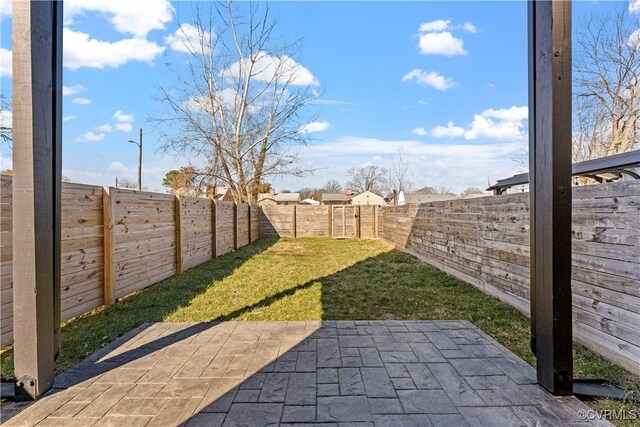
(139, 144)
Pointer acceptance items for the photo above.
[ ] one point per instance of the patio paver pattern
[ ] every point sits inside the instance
(364, 373)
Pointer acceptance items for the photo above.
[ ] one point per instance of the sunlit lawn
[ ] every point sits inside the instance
(309, 279)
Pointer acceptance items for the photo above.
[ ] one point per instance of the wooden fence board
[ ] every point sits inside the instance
(485, 241)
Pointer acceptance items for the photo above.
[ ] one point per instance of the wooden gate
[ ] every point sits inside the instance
(344, 222)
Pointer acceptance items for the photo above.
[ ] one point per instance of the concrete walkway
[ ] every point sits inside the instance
(382, 373)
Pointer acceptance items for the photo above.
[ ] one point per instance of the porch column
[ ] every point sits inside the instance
(550, 192)
(37, 96)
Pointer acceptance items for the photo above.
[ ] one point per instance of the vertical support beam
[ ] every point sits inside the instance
(214, 230)
(374, 222)
(330, 220)
(295, 222)
(179, 254)
(358, 224)
(109, 244)
(376, 210)
(344, 222)
(235, 226)
(37, 91)
(550, 192)
(249, 221)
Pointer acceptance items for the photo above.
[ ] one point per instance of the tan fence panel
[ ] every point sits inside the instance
(344, 222)
(145, 239)
(242, 227)
(277, 221)
(197, 231)
(225, 228)
(6, 260)
(312, 221)
(367, 222)
(485, 241)
(255, 222)
(82, 264)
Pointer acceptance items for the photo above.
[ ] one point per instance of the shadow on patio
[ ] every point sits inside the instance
(264, 373)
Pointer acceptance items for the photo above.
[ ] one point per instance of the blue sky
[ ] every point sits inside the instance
(444, 81)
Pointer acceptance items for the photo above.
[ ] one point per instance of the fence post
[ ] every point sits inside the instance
(235, 226)
(109, 245)
(178, 234)
(214, 231)
(358, 225)
(375, 221)
(330, 220)
(249, 221)
(295, 223)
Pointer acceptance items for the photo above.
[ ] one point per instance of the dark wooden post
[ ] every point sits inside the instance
(37, 112)
(550, 192)
(179, 238)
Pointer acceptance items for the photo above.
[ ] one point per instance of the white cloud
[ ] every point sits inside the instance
(420, 131)
(226, 97)
(126, 16)
(69, 117)
(73, 90)
(443, 43)
(507, 124)
(470, 27)
(6, 119)
(6, 61)
(634, 38)
(105, 128)
(268, 68)
(331, 102)
(124, 127)
(422, 102)
(82, 51)
(513, 114)
(437, 25)
(90, 137)
(119, 116)
(431, 78)
(81, 101)
(118, 167)
(634, 6)
(449, 130)
(315, 127)
(188, 38)
(5, 8)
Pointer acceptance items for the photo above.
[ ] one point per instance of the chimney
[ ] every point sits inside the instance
(272, 191)
(349, 192)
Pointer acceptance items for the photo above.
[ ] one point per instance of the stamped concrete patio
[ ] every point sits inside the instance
(382, 373)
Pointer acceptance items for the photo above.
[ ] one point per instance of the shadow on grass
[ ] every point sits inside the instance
(85, 334)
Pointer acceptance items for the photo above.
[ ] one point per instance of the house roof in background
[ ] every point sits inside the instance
(280, 197)
(335, 197)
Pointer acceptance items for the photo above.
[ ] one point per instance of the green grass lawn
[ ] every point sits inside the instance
(309, 279)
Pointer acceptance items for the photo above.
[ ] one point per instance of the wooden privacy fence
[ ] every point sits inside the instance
(116, 242)
(319, 221)
(485, 242)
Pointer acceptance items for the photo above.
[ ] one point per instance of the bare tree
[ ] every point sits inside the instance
(6, 134)
(400, 176)
(368, 178)
(607, 91)
(332, 186)
(128, 183)
(471, 190)
(239, 108)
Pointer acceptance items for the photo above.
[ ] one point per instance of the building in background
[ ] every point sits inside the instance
(368, 198)
(337, 198)
(273, 198)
